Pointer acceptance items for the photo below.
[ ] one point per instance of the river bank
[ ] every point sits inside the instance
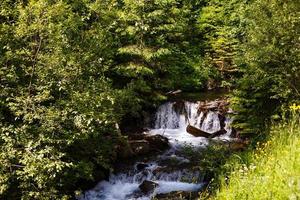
(168, 160)
(269, 171)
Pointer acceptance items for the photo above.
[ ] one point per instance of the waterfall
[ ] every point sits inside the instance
(124, 186)
(168, 117)
(211, 123)
(171, 120)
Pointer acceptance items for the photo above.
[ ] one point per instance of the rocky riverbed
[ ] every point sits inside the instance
(163, 167)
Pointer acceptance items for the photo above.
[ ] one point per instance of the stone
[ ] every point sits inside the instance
(136, 136)
(157, 142)
(234, 133)
(148, 186)
(159, 170)
(139, 146)
(141, 166)
(124, 150)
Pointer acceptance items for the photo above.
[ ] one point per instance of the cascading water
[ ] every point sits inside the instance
(211, 123)
(170, 121)
(167, 117)
(124, 186)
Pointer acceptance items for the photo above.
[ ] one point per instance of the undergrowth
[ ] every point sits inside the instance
(271, 171)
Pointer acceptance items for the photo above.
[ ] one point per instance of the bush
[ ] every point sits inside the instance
(271, 171)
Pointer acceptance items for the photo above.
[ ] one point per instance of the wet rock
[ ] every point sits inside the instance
(179, 107)
(136, 136)
(147, 186)
(157, 142)
(139, 146)
(141, 166)
(174, 162)
(217, 105)
(222, 119)
(159, 170)
(234, 133)
(124, 150)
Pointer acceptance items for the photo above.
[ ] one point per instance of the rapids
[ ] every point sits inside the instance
(170, 122)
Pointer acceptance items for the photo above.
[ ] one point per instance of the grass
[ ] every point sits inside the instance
(272, 171)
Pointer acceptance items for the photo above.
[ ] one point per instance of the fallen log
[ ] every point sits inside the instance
(199, 133)
(218, 133)
(217, 105)
(174, 92)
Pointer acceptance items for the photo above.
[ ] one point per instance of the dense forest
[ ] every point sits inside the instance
(74, 72)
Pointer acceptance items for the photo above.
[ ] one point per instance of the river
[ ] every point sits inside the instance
(169, 122)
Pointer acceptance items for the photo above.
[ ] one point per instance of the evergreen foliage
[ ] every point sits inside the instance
(157, 47)
(269, 62)
(223, 28)
(72, 70)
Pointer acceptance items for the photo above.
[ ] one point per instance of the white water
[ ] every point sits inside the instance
(171, 124)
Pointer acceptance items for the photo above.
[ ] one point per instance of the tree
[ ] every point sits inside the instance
(57, 109)
(223, 29)
(155, 42)
(270, 63)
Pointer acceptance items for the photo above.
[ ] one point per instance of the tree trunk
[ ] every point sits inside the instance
(199, 133)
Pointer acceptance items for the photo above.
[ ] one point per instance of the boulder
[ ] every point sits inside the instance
(141, 166)
(234, 133)
(139, 146)
(142, 143)
(124, 150)
(157, 142)
(159, 170)
(222, 119)
(136, 136)
(148, 186)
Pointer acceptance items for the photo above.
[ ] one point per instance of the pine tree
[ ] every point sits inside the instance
(270, 63)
